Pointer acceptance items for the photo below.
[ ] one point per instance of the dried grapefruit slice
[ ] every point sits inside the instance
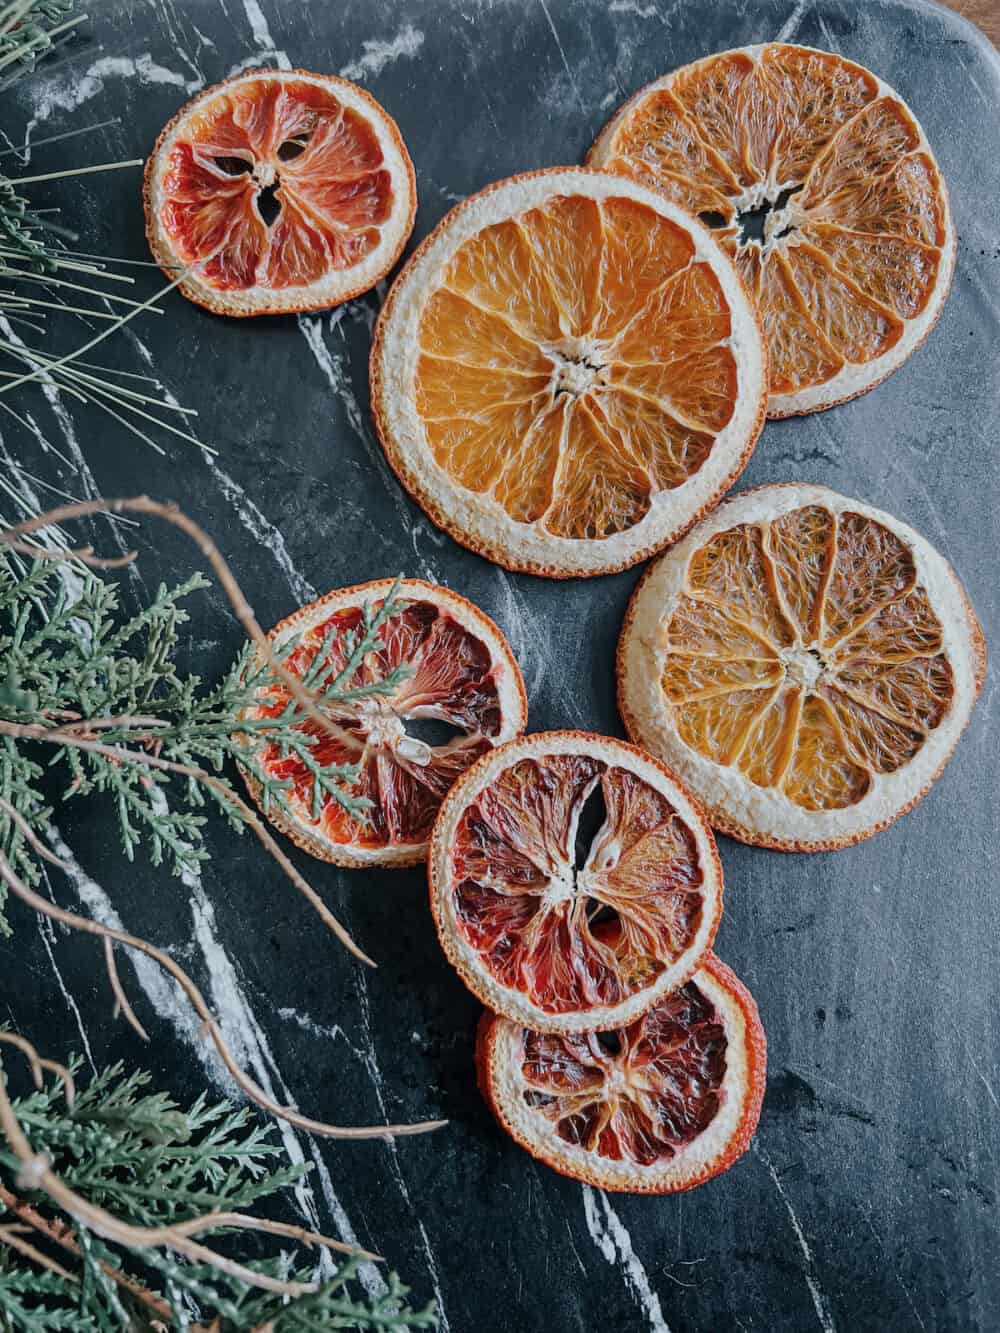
(805, 662)
(283, 190)
(823, 189)
(567, 373)
(656, 1107)
(573, 881)
(461, 683)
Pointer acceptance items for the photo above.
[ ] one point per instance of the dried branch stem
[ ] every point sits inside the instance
(198, 1003)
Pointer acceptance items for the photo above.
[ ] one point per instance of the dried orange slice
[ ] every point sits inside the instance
(807, 664)
(573, 881)
(461, 694)
(567, 373)
(282, 190)
(824, 190)
(659, 1106)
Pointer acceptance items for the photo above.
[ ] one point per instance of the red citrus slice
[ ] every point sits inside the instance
(573, 881)
(653, 1108)
(283, 190)
(459, 676)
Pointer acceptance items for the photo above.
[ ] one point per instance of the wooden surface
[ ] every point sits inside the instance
(986, 13)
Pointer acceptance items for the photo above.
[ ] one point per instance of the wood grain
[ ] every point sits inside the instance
(984, 13)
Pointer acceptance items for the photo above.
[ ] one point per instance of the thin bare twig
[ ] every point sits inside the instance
(171, 513)
(36, 1063)
(122, 1005)
(59, 1233)
(9, 1236)
(198, 1003)
(60, 736)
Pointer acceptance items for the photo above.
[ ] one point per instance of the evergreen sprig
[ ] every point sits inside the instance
(69, 655)
(138, 1155)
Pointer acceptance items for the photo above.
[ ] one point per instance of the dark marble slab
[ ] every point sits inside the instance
(869, 1202)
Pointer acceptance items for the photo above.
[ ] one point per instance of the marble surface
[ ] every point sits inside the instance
(869, 1201)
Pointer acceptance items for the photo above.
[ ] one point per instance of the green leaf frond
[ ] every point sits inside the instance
(68, 653)
(139, 1155)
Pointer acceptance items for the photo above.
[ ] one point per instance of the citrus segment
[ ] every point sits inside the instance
(800, 153)
(279, 190)
(800, 355)
(899, 274)
(444, 665)
(625, 328)
(855, 327)
(572, 881)
(795, 651)
(656, 1106)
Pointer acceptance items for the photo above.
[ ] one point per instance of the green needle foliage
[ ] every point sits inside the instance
(139, 1156)
(68, 654)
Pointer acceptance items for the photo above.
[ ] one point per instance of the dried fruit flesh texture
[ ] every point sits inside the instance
(575, 921)
(832, 210)
(639, 1094)
(804, 653)
(451, 681)
(574, 364)
(273, 184)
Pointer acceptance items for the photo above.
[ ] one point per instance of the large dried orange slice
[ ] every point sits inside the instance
(567, 372)
(280, 191)
(659, 1106)
(457, 694)
(573, 881)
(824, 190)
(807, 664)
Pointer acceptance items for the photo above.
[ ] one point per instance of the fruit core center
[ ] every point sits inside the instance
(385, 730)
(766, 217)
(577, 369)
(803, 666)
(561, 888)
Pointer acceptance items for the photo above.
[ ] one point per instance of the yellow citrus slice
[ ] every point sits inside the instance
(567, 373)
(281, 191)
(805, 662)
(456, 693)
(659, 1106)
(574, 882)
(822, 187)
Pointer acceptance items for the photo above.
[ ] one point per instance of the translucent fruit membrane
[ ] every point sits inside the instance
(852, 246)
(572, 916)
(636, 1094)
(274, 184)
(805, 653)
(574, 363)
(452, 683)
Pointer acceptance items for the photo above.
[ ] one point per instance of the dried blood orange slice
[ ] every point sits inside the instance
(573, 881)
(461, 695)
(567, 372)
(807, 664)
(282, 190)
(824, 190)
(655, 1107)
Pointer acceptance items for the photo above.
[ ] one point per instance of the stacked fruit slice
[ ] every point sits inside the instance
(577, 889)
(822, 186)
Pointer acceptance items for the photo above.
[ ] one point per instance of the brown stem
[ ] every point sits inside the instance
(60, 736)
(170, 513)
(122, 1005)
(36, 1064)
(85, 554)
(10, 1237)
(197, 1001)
